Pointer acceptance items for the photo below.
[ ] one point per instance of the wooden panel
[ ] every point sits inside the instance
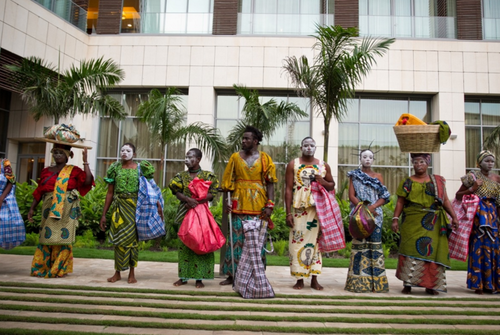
(225, 17)
(6, 78)
(110, 16)
(469, 20)
(346, 13)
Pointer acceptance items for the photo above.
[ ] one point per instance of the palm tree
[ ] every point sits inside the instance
(341, 63)
(166, 119)
(266, 117)
(78, 90)
(492, 140)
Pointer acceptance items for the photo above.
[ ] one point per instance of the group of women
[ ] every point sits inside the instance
(420, 215)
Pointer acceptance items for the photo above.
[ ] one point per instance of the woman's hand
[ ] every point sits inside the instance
(102, 223)
(454, 223)
(475, 186)
(395, 225)
(289, 221)
(160, 210)
(372, 209)
(191, 203)
(30, 215)
(266, 213)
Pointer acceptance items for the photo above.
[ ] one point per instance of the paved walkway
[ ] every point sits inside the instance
(157, 275)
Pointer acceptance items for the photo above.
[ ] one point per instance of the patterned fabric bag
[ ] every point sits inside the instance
(330, 219)
(361, 222)
(148, 221)
(250, 280)
(63, 133)
(458, 241)
(60, 231)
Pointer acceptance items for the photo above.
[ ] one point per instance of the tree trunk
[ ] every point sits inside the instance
(326, 123)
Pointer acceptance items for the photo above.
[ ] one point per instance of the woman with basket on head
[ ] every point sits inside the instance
(124, 183)
(59, 186)
(367, 192)
(423, 250)
(483, 270)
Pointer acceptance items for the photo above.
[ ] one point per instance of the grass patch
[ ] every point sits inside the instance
(172, 257)
(236, 328)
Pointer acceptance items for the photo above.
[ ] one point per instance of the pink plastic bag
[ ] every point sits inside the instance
(199, 231)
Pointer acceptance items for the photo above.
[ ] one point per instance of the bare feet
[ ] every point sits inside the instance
(299, 285)
(180, 282)
(228, 281)
(480, 292)
(116, 277)
(315, 285)
(431, 291)
(406, 290)
(199, 284)
(131, 276)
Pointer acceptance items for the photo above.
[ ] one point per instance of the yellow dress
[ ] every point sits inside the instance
(248, 183)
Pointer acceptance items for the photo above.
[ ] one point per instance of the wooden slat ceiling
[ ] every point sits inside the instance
(8, 58)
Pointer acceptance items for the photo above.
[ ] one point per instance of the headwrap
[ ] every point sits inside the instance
(426, 157)
(64, 148)
(482, 155)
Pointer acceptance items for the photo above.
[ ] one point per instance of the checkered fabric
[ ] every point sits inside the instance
(12, 231)
(250, 280)
(458, 242)
(330, 219)
(148, 221)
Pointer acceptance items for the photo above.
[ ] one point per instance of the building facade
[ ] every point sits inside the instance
(444, 65)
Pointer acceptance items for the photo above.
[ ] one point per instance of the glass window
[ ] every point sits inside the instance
(408, 18)
(30, 161)
(177, 16)
(113, 134)
(283, 17)
(369, 122)
(491, 19)
(481, 118)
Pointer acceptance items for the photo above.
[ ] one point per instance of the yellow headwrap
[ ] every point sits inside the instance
(482, 155)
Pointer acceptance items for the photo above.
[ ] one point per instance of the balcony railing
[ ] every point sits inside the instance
(281, 24)
(68, 11)
(408, 26)
(491, 29)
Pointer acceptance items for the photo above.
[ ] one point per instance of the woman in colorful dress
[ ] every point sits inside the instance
(483, 270)
(192, 265)
(12, 231)
(123, 186)
(423, 250)
(367, 268)
(59, 186)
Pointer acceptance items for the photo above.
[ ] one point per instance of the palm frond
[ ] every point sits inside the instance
(493, 140)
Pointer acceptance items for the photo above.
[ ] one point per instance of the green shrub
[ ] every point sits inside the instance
(346, 252)
(390, 239)
(145, 245)
(31, 239)
(280, 231)
(281, 247)
(217, 210)
(92, 205)
(169, 213)
(86, 240)
(24, 198)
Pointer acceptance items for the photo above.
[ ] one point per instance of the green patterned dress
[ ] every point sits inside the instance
(192, 265)
(123, 231)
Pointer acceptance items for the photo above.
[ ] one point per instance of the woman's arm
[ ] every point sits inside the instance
(397, 212)
(5, 192)
(449, 209)
(32, 209)
(107, 203)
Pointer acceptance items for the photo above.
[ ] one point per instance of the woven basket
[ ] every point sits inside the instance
(416, 139)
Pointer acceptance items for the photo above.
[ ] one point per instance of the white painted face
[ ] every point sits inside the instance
(126, 153)
(487, 163)
(308, 147)
(191, 161)
(366, 158)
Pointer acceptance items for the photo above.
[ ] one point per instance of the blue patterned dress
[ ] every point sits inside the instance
(12, 231)
(367, 268)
